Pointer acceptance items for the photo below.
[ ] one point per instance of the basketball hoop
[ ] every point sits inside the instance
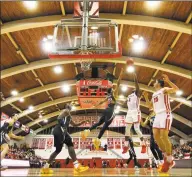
(86, 62)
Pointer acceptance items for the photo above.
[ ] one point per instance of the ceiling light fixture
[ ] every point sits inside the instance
(58, 69)
(31, 5)
(14, 92)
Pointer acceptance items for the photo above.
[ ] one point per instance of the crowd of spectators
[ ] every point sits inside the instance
(182, 151)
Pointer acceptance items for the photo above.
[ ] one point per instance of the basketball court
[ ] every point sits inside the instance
(97, 172)
(81, 54)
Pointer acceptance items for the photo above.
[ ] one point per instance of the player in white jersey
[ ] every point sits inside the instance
(163, 119)
(133, 116)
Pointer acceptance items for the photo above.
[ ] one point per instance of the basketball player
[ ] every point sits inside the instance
(163, 119)
(6, 136)
(108, 113)
(61, 136)
(132, 155)
(133, 116)
(157, 153)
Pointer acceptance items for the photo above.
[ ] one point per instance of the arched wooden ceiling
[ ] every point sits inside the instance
(20, 64)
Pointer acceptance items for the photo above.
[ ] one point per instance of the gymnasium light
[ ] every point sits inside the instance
(31, 108)
(50, 37)
(171, 100)
(45, 121)
(124, 88)
(30, 4)
(40, 116)
(121, 96)
(21, 100)
(152, 4)
(130, 69)
(179, 92)
(94, 27)
(65, 88)
(138, 46)
(135, 36)
(58, 69)
(14, 92)
(47, 46)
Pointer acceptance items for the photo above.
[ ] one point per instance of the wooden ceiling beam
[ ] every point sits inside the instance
(73, 83)
(20, 52)
(122, 60)
(128, 19)
(121, 30)
(171, 48)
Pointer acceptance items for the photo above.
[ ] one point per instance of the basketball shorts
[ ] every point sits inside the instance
(133, 117)
(163, 120)
(61, 138)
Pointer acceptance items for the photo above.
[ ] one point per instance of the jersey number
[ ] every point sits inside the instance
(156, 99)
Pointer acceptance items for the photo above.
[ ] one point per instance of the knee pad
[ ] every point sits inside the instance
(128, 130)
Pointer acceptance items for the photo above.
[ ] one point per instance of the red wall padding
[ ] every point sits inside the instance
(99, 162)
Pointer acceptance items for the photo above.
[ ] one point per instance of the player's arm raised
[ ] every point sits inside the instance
(138, 91)
(172, 89)
(116, 92)
(149, 103)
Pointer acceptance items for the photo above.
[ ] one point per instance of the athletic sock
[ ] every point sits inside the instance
(46, 165)
(76, 164)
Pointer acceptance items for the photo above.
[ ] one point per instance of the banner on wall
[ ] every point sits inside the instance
(4, 116)
(76, 143)
(88, 143)
(42, 142)
(35, 143)
(118, 121)
(110, 144)
(82, 144)
(17, 124)
(49, 143)
(117, 143)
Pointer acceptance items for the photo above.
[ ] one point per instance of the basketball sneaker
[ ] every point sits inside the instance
(159, 168)
(80, 169)
(125, 149)
(46, 171)
(97, 143)
(84, 134)
(165, 167)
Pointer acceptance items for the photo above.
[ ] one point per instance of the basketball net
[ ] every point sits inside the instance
(86, 62)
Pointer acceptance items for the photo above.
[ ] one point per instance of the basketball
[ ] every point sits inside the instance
(130, 62)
